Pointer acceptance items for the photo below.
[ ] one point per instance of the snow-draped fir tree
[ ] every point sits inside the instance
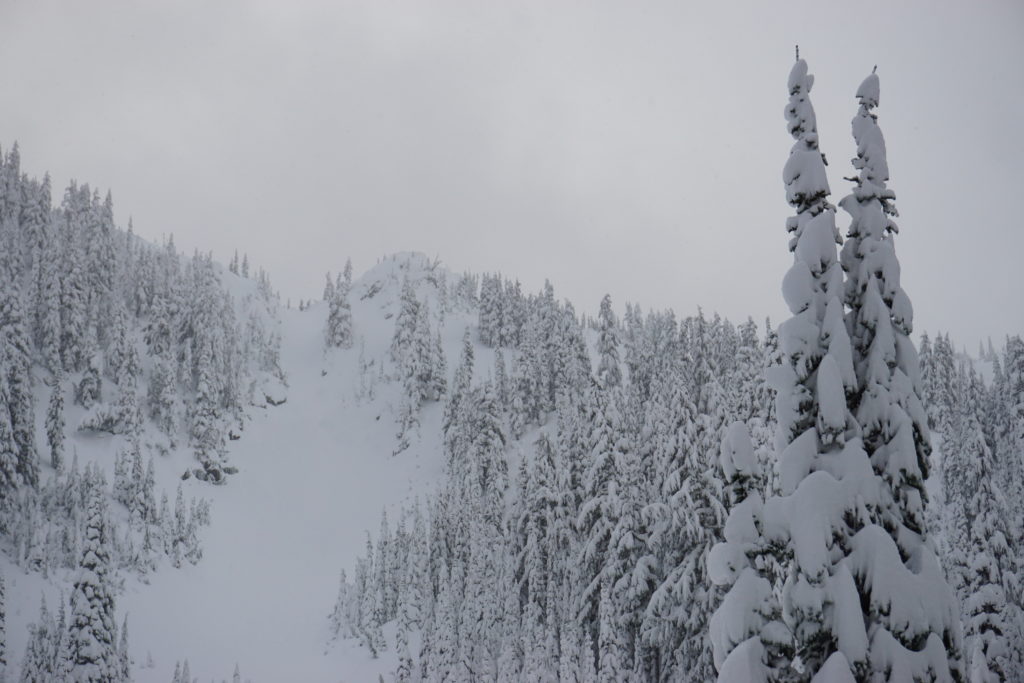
(116, 352)
(382, 578)
(346, 273)
(137, 496)
(73, 297)
(158, 331)
(442, 665)
(533, 565)
(563, 538)
(328, 290)
(610, 668)
(599, 509)
(887, 402)
(429, 359)
(55, 425)
(890, 413)
(630, 567)
(15, 365)
(438, 386)
(501, 388)
(123, 672)
(45, 278)
(636, 346)
(512, 315)
(102, 264)
(206, 433)
(609, 372)
(461, 385)
(668, 435)
(939, 378)
(479, 618)
(811, 389)
(341, 619)
(490, 315)
(468, 528)
(339, 333)
(371, 608)
(92, 650)
(10, 476)
(128, 413)
(89, 390)
(743, 385)
(488, 467)
(162, 397)
(406, 355)
(524, 390)
(926, 358)
(41, 662)
(409, 607)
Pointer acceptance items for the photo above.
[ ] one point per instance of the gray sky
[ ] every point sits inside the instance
(634, 148)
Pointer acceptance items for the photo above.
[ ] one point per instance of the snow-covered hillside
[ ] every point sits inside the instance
(316, 465)
(314, 474)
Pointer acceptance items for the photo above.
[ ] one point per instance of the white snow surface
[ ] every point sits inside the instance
(315, 473)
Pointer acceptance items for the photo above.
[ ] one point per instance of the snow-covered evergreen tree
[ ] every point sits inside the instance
(339, 333)
(609, 372)
(123, 669)
(889, 411)
(91, 631)
(55, 425)
(41, 662)
(17, 446)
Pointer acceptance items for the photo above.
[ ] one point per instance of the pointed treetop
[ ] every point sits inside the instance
(799, 79)
(868, 92)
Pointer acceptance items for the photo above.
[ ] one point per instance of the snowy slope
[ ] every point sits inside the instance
(315, 472)
(314, 475)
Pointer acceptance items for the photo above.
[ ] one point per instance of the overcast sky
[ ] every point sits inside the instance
(628, 147)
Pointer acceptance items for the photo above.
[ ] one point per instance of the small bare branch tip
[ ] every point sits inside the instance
(798, 53)
(874, 69)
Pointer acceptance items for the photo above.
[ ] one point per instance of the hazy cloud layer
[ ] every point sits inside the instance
(634, 148)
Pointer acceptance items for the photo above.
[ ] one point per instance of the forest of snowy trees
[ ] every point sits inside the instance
(101, 332)
(669, 499)
(644, 497)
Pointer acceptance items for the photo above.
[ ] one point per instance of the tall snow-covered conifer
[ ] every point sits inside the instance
(887, 401)
(609, 373)
(92, 650)
(891, 417)
(339, 312)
